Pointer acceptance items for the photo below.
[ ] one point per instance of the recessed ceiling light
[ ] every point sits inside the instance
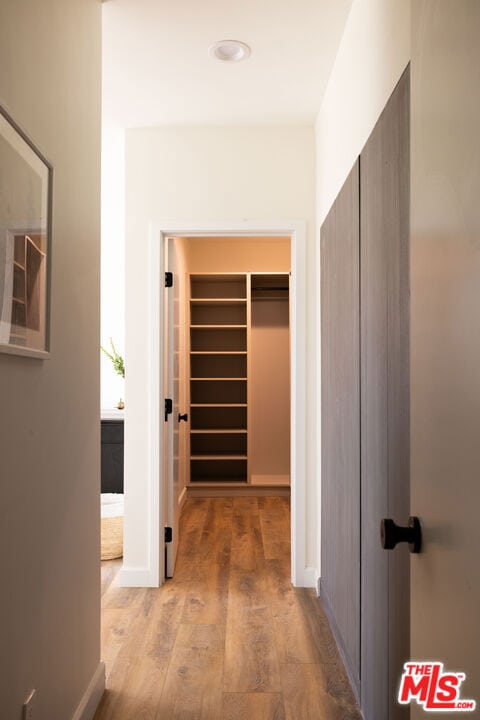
(230, 50)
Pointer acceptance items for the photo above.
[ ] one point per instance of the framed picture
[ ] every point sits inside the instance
(25, 243)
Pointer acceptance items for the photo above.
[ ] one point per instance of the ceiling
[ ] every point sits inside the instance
(157, 70)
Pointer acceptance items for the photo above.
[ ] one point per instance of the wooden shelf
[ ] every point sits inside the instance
(218, 457)
(210, 417)
(219, 379)
(235, 482)
(218, 327)
(210, 286)
(223, 431)
(218, 367)
(218, 301)
(218, 352)
(218, 338)
(215, 468)
(222, 405)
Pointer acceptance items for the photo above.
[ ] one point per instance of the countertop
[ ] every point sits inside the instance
(112, 414)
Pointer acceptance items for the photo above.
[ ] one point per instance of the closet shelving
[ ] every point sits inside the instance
(222, 370)
(218, 378)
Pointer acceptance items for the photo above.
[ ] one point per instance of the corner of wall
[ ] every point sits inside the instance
(93, 694)
(372, 55)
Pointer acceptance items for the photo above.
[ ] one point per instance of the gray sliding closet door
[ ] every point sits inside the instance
(340, 582)
(385, 483)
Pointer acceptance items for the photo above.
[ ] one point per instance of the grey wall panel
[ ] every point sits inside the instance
(384, 232)
(398, 204)
(340, 581)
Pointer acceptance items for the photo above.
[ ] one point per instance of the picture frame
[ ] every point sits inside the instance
(26, 183)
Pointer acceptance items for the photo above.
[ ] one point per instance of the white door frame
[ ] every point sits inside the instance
(296, 231)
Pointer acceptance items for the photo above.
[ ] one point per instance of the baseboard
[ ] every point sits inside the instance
(181, 499)
(93, 694)
(270, 480)
(306, 578)
(210, 490)
(350, 670)
(136, 577)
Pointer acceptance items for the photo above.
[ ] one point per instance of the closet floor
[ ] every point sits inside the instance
(228, 638)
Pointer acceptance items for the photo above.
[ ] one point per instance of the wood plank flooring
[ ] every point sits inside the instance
(228, 638)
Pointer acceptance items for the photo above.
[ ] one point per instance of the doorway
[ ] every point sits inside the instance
(159, 234)
(227, 371)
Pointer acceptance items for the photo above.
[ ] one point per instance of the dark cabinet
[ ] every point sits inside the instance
(112, 456)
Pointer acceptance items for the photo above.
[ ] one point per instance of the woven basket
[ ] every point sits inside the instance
(112, 538)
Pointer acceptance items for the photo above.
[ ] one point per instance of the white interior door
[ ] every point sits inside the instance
(174, 328)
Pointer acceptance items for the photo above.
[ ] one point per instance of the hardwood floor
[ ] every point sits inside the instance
(228, 638)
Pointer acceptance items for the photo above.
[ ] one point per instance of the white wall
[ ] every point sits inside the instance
(206, 174)
(252, 254)
(113, 261)
(49, 419)
(373, 53)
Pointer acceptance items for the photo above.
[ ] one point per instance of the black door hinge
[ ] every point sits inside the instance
(168, 408)
(168, 279)
(168, 535)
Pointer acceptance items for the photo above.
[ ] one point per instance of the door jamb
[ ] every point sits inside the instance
(296, 231)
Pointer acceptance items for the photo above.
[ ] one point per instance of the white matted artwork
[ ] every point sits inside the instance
(25, 243)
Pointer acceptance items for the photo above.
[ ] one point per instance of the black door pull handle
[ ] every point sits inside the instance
(183, 417)
(391, 534)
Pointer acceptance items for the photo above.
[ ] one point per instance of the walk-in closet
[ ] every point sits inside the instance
(233, 352)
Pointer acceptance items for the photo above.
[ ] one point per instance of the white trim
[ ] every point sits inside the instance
(318, 401)
(158, 232)
(93, 694)
(181, 498)
(298, 336)
(307, 578)
(156, 362)
(137, 577)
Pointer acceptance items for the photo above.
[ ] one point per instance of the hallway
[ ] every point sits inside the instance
(228, 638)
